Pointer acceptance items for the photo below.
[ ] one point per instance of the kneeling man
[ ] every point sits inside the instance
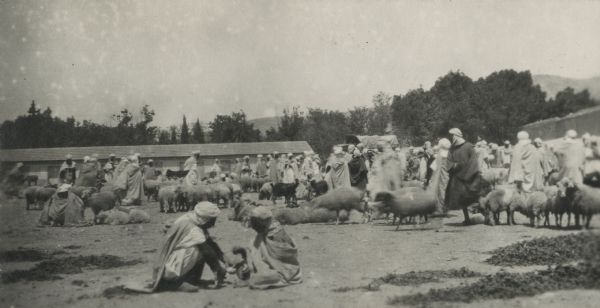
(185, 251)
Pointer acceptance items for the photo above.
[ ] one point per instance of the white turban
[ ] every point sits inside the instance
(206, 210)
(523, 135)
(571, 133)
(261, 212)
(444, 144)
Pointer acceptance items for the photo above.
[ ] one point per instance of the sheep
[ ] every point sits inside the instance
(557, 205)
(245, 183)
(532, 205)
(78, 190)
(100, 201)
(221, 191)
(43, 194)
(583, 200)
(151, 188)
(406, 202)
(495, 176)
(343, 198)
(30, 193)
(123, 216)
(493, 203)
(265, 192)
(236, 190)
(242, 209)
(194, 194)
(318, 188)
(258, 182)
(286, 190)
(112, 217)
(169, 195)
(137, 216)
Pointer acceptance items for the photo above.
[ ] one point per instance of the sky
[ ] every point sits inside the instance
(89, 59)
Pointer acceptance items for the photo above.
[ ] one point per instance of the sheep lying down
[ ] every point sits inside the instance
(123, 216)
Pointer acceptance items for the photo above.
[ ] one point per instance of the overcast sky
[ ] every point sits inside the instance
(201, 58)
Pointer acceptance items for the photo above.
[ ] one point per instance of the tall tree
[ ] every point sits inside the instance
(380, 117)
(185, 132)
(233, 128)
(197, 132)
(324, 129)
(163, 137)
(505, 101)
(568, 101)
(358, 120)
(291, 124)
(173, 132)
(145, 133)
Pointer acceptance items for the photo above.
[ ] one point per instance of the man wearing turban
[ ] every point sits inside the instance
(465, 177)
(68, 172)
(130, 181)
(526, 167)
(272, 257)
(186, 249)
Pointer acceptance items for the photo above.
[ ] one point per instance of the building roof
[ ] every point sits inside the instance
(155, 151)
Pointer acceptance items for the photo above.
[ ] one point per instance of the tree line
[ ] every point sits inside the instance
(492, 107)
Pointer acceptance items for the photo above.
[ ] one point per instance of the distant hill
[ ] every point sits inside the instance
(552, 84)
(263, 124)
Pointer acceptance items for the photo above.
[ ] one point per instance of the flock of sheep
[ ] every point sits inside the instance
(411, 203)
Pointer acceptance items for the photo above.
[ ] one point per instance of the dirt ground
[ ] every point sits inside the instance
(331, 257)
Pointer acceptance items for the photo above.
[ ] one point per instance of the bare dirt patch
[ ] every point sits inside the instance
(51, 269)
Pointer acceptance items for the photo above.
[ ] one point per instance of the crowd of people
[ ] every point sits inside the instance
(451, 168)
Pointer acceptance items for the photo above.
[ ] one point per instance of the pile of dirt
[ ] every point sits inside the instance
(505, 285)
(50, 269)
(417, 278)
(413, 279)
(544, 250)
(26, 255)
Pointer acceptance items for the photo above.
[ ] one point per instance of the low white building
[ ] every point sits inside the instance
(45, 162)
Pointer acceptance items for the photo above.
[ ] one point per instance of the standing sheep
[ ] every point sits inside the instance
(42, 195)
(583, 200)
(169, 195)
(29, 194)
(265, 192)
(407, 202)
(99, 201)
(495, 202)
(557, 205)
(533, 206)
(151, 188)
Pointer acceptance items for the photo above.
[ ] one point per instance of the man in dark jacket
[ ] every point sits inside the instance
(358, 171)
(465, 177)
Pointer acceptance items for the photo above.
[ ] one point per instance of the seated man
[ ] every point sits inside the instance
(64, 208)
(185, 251)
(272, 258)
